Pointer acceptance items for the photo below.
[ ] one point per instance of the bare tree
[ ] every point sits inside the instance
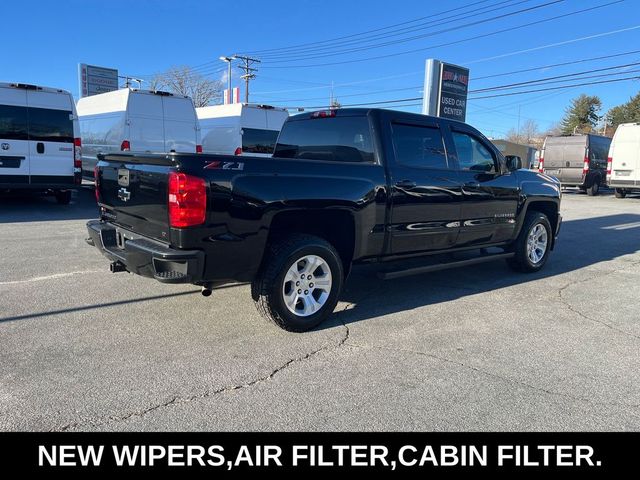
(528, 134)
(184, 81)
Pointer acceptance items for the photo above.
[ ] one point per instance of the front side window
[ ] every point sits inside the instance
(418, 146)
(473, 155)
(335, 139)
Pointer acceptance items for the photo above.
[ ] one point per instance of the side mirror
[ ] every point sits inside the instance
(513, 162)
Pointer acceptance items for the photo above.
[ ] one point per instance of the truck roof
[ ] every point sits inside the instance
(354, 111)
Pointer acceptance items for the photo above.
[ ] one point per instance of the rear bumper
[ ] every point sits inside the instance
(144, 256)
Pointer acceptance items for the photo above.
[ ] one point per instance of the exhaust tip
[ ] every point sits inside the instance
(206, 292)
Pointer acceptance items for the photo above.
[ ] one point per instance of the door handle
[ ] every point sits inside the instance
(40, 147)
(472, 184)
(405, 184)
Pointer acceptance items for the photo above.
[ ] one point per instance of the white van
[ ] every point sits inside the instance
(239, 128)
(623, 165)
(132, 120)
(40, 144)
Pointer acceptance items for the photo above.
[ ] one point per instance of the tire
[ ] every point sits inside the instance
(594, 188)
(523, 261)
(63, 197)
(275, 284)
(620, 193)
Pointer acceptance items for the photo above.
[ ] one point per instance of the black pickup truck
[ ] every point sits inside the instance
(343, 187)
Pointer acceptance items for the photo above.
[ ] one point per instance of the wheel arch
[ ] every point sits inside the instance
(336, 226)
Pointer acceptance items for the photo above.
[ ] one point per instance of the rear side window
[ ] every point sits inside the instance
(336, 139)
(13, 122)
(46, 125)
(419, 146)
(255, 140)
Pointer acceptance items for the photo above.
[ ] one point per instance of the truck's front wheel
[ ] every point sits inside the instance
(300, 282)
(532, 246)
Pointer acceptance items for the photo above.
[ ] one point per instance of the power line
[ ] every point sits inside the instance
(549, 45)
(502, 87)
(413, 99)
(403, 31)
(262, 52)
(417, 37)
(476, 37)
(557, 88)
(532, 69)
(549, 79)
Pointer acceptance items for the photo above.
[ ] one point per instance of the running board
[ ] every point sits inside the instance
(444, 266)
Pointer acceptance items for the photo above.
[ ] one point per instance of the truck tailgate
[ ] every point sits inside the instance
(133, 193)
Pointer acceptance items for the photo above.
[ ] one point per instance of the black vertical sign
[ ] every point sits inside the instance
(454, 87)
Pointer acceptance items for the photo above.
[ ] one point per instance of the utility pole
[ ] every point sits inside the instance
(248, 72)
(128, 80)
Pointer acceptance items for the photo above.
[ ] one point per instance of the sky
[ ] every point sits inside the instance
(306, 46)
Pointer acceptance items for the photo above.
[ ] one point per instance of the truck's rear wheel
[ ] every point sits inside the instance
(300, 282)
(594, 189)
(620, 193)
(533, 244)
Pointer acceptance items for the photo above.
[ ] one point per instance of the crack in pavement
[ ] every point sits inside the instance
(494, 375)
(573, 309)
(178, 400)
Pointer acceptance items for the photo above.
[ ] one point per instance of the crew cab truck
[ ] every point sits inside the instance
(344, 187)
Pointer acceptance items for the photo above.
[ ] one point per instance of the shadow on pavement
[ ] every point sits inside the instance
(29, 207)
(581, 243)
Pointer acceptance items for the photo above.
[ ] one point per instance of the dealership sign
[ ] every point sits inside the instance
(445, 90)
(94, 80)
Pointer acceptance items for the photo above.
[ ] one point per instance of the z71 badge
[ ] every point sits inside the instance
(224, 165)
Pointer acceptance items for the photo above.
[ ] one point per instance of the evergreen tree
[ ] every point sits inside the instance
(582, 115)
(626, 113)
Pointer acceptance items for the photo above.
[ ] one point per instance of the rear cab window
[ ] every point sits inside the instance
(419, 146)
(335, 138)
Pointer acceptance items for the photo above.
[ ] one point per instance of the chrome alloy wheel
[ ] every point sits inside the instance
(537, 243)
(307, 285)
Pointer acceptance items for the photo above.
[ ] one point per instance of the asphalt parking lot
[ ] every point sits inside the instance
(479, 348)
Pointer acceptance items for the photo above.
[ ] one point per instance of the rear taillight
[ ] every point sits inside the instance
(125, 146)
(187, 200)
(238, 151)
(198, 148)
(585, 166)
(77, 161)
(609, 167)
(96, 183)
(541, 165)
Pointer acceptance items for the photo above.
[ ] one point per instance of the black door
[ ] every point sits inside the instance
(490, 192)
(426, 192)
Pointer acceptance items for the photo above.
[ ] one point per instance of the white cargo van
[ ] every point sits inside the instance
(239, 128)
(133, 120)
(40, 144)
(623, 165)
